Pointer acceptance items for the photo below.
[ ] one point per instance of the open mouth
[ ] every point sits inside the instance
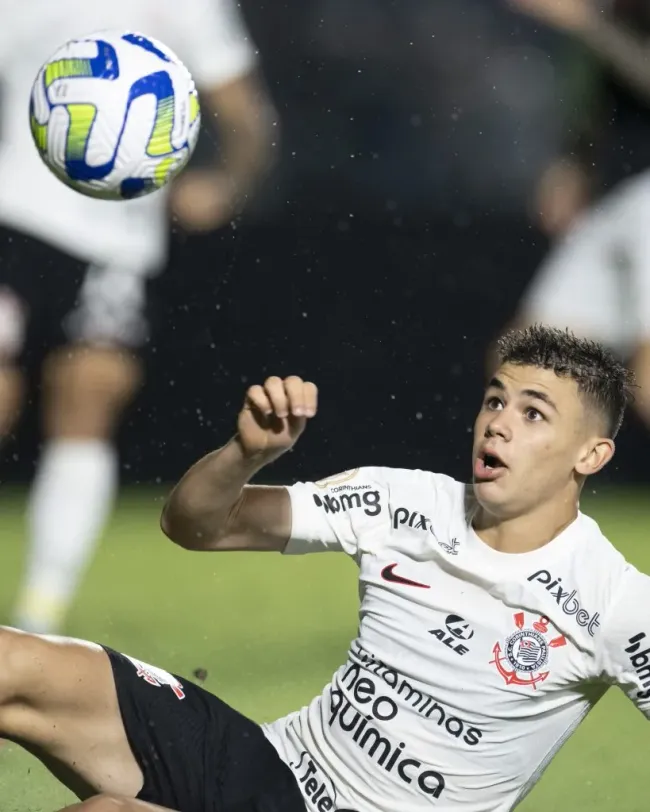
(492, 461)
(488, 466)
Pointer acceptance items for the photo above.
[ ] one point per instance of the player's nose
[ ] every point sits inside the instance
(499, 426)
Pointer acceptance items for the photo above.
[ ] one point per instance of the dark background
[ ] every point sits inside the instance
(387, 249)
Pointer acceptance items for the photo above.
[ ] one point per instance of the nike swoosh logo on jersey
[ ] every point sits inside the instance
(388, 574)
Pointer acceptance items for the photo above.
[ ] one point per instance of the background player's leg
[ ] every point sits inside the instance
(58, 700)
(11, 396)
(85, 391)
(12, 334)
(111, 803)
(86, 387)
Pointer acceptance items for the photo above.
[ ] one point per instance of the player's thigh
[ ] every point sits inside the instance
(86, 388)
(58, 699)
(96, 373)
(38, 283)
(577, 286)
(113, 803)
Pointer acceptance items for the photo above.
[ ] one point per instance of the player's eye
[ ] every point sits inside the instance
(493, 403)
(533, 415)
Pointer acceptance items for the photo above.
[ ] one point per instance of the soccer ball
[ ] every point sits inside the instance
(114, 115)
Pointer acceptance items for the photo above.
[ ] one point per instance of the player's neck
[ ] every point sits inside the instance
(529, 531)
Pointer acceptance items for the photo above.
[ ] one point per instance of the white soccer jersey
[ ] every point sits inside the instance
(471, 667)
(207, 35)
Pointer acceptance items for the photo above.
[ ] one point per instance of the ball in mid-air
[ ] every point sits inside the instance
(114, 115)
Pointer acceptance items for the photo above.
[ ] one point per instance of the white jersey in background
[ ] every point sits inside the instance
(207, 35)
(471, 667)
(596, 279)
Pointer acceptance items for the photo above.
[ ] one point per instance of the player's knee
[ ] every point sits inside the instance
(86, 390)
(13, 324)
(11, 395)
(16, 659)
(106, 803)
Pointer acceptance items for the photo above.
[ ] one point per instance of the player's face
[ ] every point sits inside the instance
(534, 441)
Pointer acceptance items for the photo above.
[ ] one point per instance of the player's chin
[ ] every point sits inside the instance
(490, 492)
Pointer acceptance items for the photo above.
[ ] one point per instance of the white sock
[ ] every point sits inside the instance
(70, 499)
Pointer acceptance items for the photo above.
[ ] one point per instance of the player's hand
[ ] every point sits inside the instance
(274, 416)
(202, 200)
(562, 193)
(564, 15)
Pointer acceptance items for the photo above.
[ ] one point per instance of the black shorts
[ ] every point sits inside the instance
(196, 753)
(48, 297)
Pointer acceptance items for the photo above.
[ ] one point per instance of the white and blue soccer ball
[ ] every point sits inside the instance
(114, 115)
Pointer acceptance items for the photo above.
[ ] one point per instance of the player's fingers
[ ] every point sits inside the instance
(275, 391)
(256, 397)
(294, 387)
(310, 396)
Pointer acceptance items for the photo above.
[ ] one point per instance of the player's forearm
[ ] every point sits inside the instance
(199, 510)
(626, 53)
(247, 157)
(246, 125)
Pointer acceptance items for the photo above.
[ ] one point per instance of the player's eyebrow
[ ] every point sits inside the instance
(533, 393)
(497, 383)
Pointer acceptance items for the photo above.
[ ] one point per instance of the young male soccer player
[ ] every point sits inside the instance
(493, 618)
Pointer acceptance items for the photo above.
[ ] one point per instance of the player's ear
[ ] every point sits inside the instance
(594, 455)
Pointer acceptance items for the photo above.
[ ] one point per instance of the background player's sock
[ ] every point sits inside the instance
(70, 499)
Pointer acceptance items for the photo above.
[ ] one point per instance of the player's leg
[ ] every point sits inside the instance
(103, 722)
(58, 699)
(86, 386)
(112, 803)
(15, 282)
(11, 392)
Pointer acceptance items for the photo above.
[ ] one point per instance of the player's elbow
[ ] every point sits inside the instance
(183, 530)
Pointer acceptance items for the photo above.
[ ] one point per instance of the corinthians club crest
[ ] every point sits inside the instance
(525, 654)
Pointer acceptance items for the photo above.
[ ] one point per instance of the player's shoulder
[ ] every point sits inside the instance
(590, 578)
(597, 558)
(395, 483)
(396, 480)
(409, 495)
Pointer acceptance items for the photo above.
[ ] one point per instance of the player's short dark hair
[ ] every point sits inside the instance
(604, 382)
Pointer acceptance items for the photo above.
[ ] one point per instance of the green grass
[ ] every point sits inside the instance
(270, 631)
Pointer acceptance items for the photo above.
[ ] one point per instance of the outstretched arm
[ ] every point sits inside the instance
(624, 51)
(213, 507)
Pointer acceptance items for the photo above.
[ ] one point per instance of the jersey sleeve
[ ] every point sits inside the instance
(341, 513)
(625, 647)
(216, 45)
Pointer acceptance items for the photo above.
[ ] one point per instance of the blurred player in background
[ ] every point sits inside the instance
(595, 199)
(73, 270)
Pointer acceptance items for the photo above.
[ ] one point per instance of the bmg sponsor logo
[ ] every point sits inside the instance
(567, 600)
(368, 501)
(640, 662)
